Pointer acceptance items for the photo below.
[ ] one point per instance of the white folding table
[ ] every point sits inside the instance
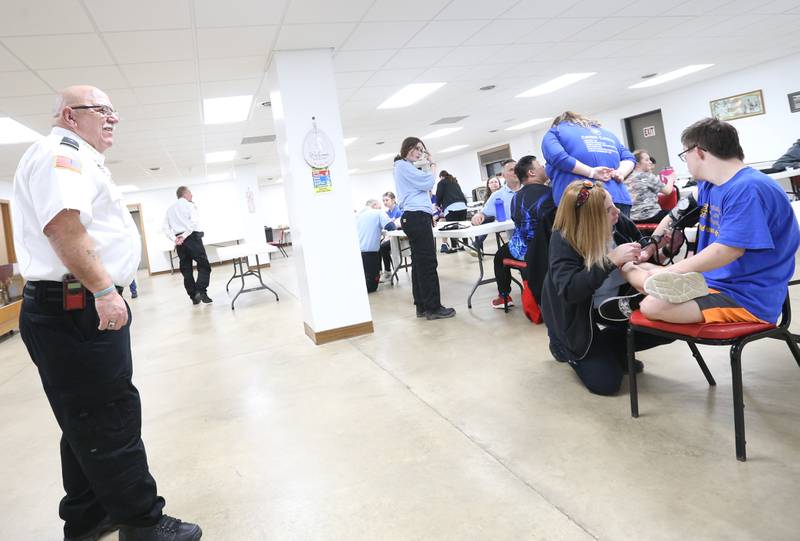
(240, 254)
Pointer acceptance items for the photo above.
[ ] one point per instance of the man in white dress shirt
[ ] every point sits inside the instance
(78, 247)
(181, 226)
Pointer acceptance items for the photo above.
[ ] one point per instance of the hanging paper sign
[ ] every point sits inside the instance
(317, 148)
(322, 180)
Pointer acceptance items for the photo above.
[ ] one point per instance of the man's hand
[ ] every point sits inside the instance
(478, 218)
(111, 307)
(647, 253)
(179, 240)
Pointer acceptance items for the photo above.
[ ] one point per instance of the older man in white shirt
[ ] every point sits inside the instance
(181, 226)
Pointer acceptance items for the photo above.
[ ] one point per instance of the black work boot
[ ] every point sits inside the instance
(205, 298)
(103, 527)
(440, 313)
(167, 529)
(196, 298)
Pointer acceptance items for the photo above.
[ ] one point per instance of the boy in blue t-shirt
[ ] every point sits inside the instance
(746, 241)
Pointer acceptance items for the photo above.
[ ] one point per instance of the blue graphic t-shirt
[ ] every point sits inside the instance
(750, 211)
(529, 205)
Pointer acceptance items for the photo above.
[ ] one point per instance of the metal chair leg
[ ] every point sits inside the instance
(793, 348)
(702, 364)
(738, 400)
(632, 374)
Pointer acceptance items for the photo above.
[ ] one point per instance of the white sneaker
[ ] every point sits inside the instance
(386, 276)
(676, 288)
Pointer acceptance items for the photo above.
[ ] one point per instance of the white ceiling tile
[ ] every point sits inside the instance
(394, 77)
(223, 69)
(21, 83)
(380, 35)
(165, 110)
(444, 33)
(28, 105)
(43, 17)
(123, 98)
(150, 46)
(538, 8)
(43, 52)
(417, 58)
(469, 56)
(213, 13)
(741, 7)
(592, 8)
(651, 27)
(361, 60)
(220, 89)
(124, 15)
(475, 9)
(352, 79)
(38, 123)
(8, 62)
(103, 77)
(166, 93)
(506, 32)
(230, 42)
(608, 48)
(578, 29)
(408, 10)
(521, 53)
(648, 8)
(311, 36)
(614, 27)
(320, 11)
(160, 73)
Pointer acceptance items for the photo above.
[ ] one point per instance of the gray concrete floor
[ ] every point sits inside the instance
(462, 429)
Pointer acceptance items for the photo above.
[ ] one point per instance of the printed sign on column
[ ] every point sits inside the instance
(322, 180)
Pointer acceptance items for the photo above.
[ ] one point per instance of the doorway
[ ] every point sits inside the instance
(136, 214)
(646, 131)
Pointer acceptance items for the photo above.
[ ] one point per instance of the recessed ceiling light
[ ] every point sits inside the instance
(671, 75)
(127, 188)
(488, 87)
(349, 140)
(220, 176)
(453, 148)
(528, 124)
(12, 133)
(492, 131)
(410, 94)
(441, 132)
(154, 168)
(226, 110)
(381, 157)
(380, 142)
(556, 84)
(222, 156)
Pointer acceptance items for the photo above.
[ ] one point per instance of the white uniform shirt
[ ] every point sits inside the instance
(53, 176)
(181, 218)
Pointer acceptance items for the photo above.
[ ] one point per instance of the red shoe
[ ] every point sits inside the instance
(497, 302)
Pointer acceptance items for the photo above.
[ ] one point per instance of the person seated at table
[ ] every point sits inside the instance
(394, 213)
(505, 194)
(451, 199)
(790, 160)
(529, 205)
(492, 185)
(746, 241)
(644, 187)
(589, 244)
(370, 222)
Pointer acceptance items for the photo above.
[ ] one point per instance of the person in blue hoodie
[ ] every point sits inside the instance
(577, 148)
(414, 185)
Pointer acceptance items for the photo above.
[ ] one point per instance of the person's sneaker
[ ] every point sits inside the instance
(676, 288)
(445, 249)
(134, 294)
(473, 253)
(167, 529)
(103, 527)
(420, 312)
(440, 313)
(620, 308)
(205, 298)
(196, 298)
(497, 302)
(386, 276)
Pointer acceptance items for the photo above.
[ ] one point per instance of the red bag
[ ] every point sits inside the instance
(529, 306)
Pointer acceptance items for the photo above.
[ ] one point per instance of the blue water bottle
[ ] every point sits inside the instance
(499, 210)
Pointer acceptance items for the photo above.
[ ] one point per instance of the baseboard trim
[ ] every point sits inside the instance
(340, 333)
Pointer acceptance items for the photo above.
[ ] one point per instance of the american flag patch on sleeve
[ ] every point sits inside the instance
(65, 162)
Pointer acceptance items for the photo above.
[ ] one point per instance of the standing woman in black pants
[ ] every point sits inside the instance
(414, 177)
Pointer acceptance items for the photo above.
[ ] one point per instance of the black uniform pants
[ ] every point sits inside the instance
(372, 269)
(502, 273)
(86, 375)
(455, 216)
(386, 255)
(424, 278)
(191, 250)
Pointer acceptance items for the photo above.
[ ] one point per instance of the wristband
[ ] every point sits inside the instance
(591, 173)
(104, 292)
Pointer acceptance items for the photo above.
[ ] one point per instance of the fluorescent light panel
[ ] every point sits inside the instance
(671, 75)
(127, 188)
(349, 140)
(556, 84)
(12, 133)
(351, 171)
(410, 94)
(381, 157)
(528, 124)
(442, 132)
(226, 110)
(219, 157)
(219, 176)
(453, 148)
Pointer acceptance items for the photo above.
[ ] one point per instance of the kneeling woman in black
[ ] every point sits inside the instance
(590, 243)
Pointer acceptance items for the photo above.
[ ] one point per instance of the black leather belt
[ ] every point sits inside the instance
(49, 291)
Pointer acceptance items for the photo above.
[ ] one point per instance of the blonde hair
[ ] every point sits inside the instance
(585, 228)
(575, 118)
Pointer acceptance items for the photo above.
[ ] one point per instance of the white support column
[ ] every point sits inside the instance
(324, 239)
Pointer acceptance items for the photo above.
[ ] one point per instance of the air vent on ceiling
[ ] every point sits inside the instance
(258, 139)
(449, 120)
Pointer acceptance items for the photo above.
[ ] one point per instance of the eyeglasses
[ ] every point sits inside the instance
(583, 195)
(104, 110)
(683, 154)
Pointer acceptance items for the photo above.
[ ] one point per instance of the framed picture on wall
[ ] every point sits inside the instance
(738, 106)
(794, 102)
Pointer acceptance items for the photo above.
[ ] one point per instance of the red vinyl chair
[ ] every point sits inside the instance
(736, 335)
(529, 305)
(666, 202)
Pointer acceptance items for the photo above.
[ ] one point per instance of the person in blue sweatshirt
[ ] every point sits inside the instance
(414, 177)
(577, 148)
